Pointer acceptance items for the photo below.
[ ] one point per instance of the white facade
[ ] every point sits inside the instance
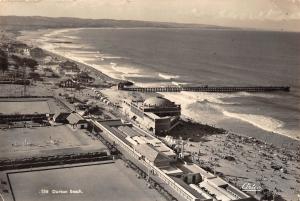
(158, 115)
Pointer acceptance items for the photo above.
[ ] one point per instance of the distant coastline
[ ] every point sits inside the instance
(18, 23)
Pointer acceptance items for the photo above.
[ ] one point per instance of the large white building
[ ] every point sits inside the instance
(188, 180)
(156, 114)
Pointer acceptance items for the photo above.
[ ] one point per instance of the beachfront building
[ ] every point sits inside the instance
(48, 72)
(50, 60)
(68, 83)
(61, 117)
(156, 114)
(70, 68)
(189, 180)
(84, 78)
(16, 47)
(77, 121)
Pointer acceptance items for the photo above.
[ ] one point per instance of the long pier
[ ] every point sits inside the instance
(207, 89)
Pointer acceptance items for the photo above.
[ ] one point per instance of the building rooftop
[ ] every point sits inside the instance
(196, 169)
(220, 194)
(150, 153)
(74, 118)
(154, 116)
(223, 190)
(171, 170)
(136, 138)
(161, 147)
(158, 102)
(68, 64)
(215, 185)
(189, 189)
(61, 116)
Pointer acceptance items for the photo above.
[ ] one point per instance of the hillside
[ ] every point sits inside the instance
(16, 23)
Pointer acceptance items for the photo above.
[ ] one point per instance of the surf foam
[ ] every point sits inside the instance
(260, 121)
(168, 76)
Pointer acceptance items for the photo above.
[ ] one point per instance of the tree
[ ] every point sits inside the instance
(3, 61)
(24, 61)
(17, 59)
(31, 63)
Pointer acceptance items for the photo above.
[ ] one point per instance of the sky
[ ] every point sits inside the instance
(261, 14)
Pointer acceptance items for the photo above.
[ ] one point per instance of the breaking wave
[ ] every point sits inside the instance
(210, 108)
(260, 121)
(168, 76)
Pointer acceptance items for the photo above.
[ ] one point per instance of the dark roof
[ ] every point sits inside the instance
(83, 75)
(187, 187)
(75, 118)
(62, 116)
(36, 49)
(68, 64)
(65, 80)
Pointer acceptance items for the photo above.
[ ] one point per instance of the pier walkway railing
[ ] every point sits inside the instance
(207, 89)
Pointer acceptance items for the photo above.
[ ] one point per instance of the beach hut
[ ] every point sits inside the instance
(77, 121)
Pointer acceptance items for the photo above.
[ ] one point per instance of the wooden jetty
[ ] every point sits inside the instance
(206, 89)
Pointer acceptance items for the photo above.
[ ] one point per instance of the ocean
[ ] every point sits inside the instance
(214, 57)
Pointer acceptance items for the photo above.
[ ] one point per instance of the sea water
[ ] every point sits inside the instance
(214, 57)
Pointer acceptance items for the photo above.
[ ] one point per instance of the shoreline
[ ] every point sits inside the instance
(280, 138)
(276, 139)
(81, 65)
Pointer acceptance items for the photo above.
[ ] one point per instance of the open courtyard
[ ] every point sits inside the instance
(25, 107)
(43, 141)
(38, 105)
(105, 182)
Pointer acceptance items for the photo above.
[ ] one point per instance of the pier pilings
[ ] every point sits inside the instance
(207, 89)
